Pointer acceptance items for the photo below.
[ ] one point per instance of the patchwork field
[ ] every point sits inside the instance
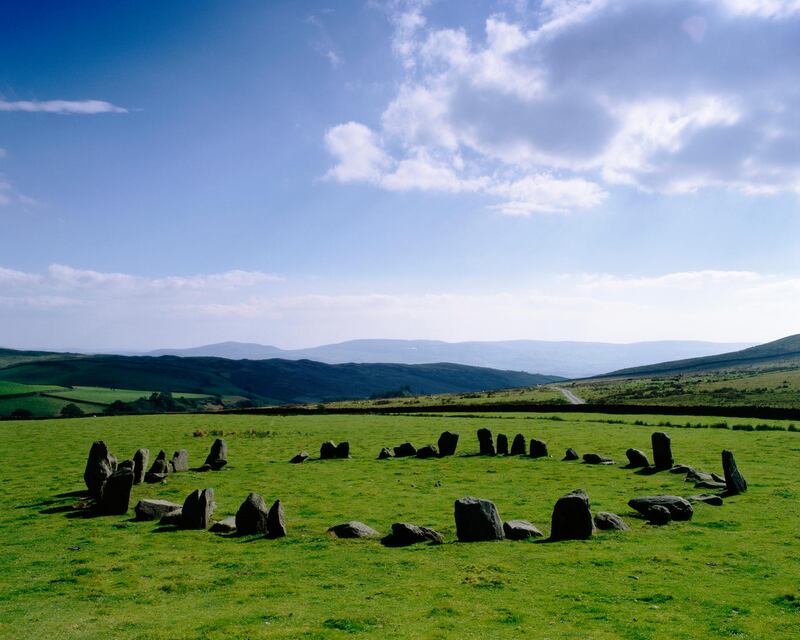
(732, 571)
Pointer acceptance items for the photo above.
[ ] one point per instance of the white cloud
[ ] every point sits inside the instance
(358, 155)
(545, 194)
(83, 107)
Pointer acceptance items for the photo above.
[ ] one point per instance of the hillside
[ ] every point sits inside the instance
(265, 381)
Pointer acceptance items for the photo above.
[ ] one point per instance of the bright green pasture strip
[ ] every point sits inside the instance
(107, 396)
(41, 406)
(12, 388)
(730, 572)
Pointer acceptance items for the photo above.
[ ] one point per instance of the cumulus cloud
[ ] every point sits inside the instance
(82, 107)
(573, 97)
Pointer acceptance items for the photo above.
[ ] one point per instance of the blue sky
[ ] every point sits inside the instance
(303, 172)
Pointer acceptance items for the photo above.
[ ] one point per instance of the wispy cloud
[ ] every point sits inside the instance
(80, 107)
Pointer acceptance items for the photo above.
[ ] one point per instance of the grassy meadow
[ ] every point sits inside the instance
(731, 572)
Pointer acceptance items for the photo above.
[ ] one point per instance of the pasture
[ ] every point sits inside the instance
(731, 572)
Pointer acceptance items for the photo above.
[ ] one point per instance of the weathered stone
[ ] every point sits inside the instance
(327, 450)
(710, 484)
(99, 466)
(404, 534)
(733, 478)
(404, 450)
(706, 498)
(228, 525)
(140, 461)
(636, 459)
(197, 509)
(159, 470)
(520, 530)
(679, 508)
(518, 445)
(352, 529)
(681, 468)
(218, 456)
(596, 458)
(717, 478)
(571, 454)
(180, 461)
(659, 515)
(538, 449)
(572, 517)
(447, 443)
(477, 520)
(343, 450)
(699, 476)
(117, 492)
(154, 509)
(609, 521)
(428, 451)
(385, 453)
(276, 521)
(126, 464)
(252, 516)
(300, 457)
(502, 444)
(172, 518)
(662, 451)
(485, 442)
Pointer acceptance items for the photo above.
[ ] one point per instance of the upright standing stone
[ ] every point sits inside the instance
(447, 443)
(538, 449)
(662, 450)
(518, 445)
(385, 453)
(180, 460)
(218, 456)
(477, 520)
(252, 515)
(734, 480)
(159, 470)
(571, 454)
(140, 460)
(572, 517)
(99, 466)
(198, 509)
(502, 444)
(327, 451)
(117, 492)
(343, 450)
(485, 442)
(276, 521)
(636, 459)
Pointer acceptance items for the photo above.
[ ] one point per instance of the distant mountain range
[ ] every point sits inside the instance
(566, 359)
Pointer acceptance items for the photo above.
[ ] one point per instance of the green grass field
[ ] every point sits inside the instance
(733, 571)
(538, 395)
(8, 388)
(104, 395)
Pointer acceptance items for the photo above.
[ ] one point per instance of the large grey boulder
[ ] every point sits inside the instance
(117, 492)
(404, 450)
(300, 457)
(327, 450)
(518, 445)
(159, 470)
(477, 520)
(596, 458)
(99, 466)
(154, 509)
(252, 516)
(428, 451)
(276, 520)
(502, 444)
(198, 509)
(352, 529)
(405, 534)
(636, 459)
(733, 478)
(572, 517)
(485, 442)
(706, 498)
(226, 525)
(385, 453)
(218, 456)
(570, 454)
(679, 508)
(538, 449)
(662, 451)
(140, 460)
(659, 515)
(447, 443)
(520, 530)
(180, 461)
(343, 450)
(609, 521)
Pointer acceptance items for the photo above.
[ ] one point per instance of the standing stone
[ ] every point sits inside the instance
(538, 449)
(485, 442)
(405, 534)
(662, 451)
(126, 464)
(99, 467)
(385, 453)
(477, 520)
(180, 460)
(571, 454)
(428, 451)
(197, 509)
(218, 456)
(343, 450)
(502, 444)
(140, 460)
(404, 450)
(659, 515)
(734, 480)
(327, 451)
(520, 530)
(447, 443)
(117, 492)
(604, 520)
(636, 459)
(518, 445)
(572, 517)
(679, 508)
(276, 521)
(300, 457)
(159, 470)
(154, 509)
(251, 516)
